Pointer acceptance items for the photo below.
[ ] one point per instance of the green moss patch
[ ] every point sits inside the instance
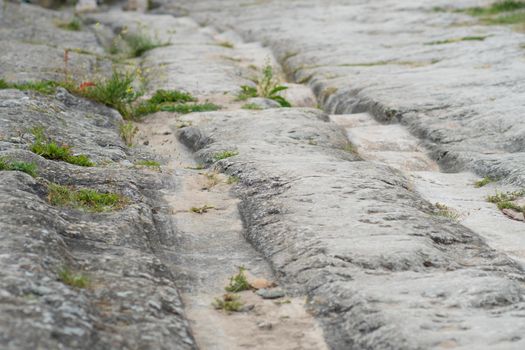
(86, 199)
(50, 149)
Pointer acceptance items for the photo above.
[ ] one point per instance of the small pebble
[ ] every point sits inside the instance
(274, 293)
(264, 325)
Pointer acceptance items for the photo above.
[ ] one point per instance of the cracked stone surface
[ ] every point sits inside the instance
(462, 98)
(356, 234)
(380, 270)
(132, 301)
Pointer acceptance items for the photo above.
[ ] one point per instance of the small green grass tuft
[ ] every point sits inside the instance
(233, 180)
(514, 18)
(87, 199)
(483, 182)
(229, 303)
(495, 8)
(251, 106)
(239, 282)
(172, 101)
(127, 132)
(267, 86)
(226, 44)
(506, 200)
(505, 196)
(456, 40)
(116, 92)
(224, 154)
(186, 108)
(49, 149)
(73, 279)
(201, 210)
(148, 163)
(45, 87)
(74, 25)
(445, 211)
(139, 43)
(173, 96)
(28, 168)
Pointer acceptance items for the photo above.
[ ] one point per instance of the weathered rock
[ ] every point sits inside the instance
(263, 103)
(379, 269)
(273, 293)
(299, 95)
(132, 299)
(385, 57)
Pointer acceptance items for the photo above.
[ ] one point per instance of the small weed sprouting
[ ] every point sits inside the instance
(73, 279)
(201, 210)
(251, 106)
(44, 87)
(505, 197)
(495, 8)
(483, 182)
(506, 200)
(127, 132)
(224, 154)
(226, 44)
(456, 40)
(267, 86)
(173, 96)
(239, 282)
(50, 149)
(445, 211)
(116, 92)
(173, 101)
(350, 148)
(186, 108)
(139, 43)
(28, 168)
(148, 163)
(184, 124)
(229, 303)
(212, 180)
(87, 199)
(232, 180)
(74, 25)
(196, 167)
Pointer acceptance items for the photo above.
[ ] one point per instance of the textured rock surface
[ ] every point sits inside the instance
(381, 271)
(463, 98)
(132, 301)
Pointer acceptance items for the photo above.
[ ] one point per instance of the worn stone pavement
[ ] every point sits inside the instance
(379, 269)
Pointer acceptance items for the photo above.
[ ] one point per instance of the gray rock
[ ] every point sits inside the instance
(263, 103)
(353, 236)
(273, 293)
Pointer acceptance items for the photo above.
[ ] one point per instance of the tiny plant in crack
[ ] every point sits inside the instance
(224, 154)
(229, 303)
(445, 211)
(86, 199)
(506, 200)
(77, 280)
(202, 209)
(50, 149)
(483, 182)
(116, 92)
(74, 24)
(148, 163)
(239, 282)
(25, 167)
(127, 132)
(267, 86)
(172, 101)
